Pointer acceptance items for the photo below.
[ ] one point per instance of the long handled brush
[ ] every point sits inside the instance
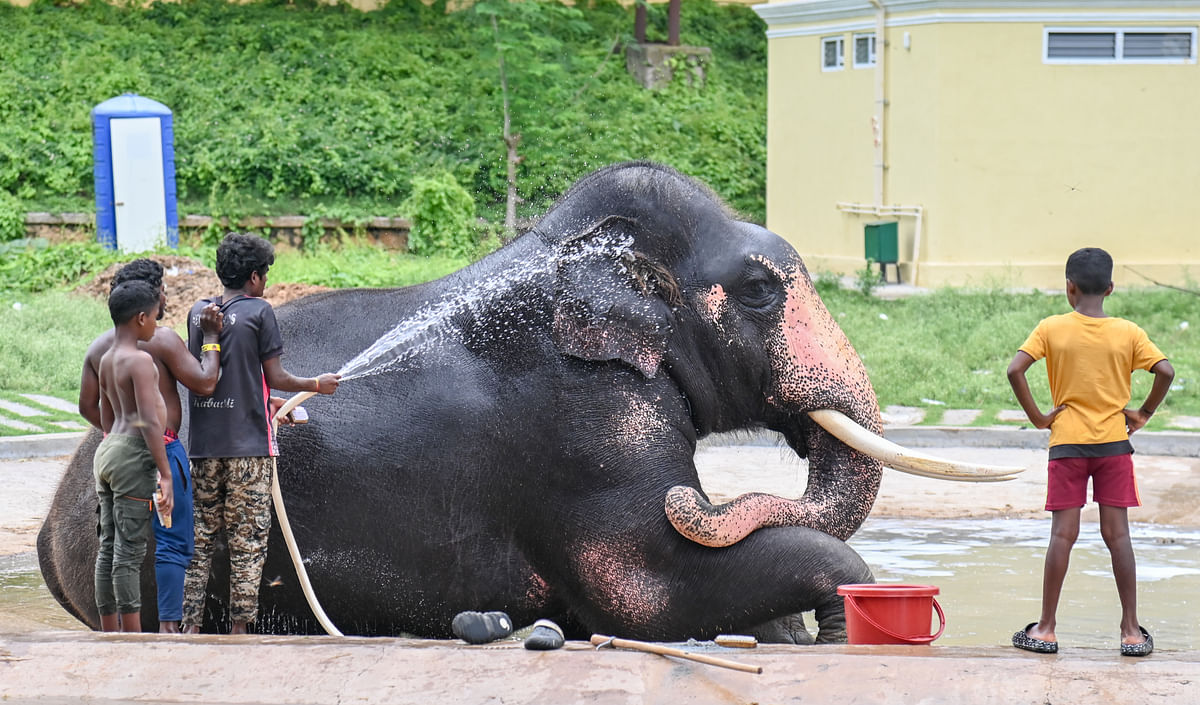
(599, 640)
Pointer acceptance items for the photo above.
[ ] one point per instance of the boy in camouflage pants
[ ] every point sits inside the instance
(232, 438)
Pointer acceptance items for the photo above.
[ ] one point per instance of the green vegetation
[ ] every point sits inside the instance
(45, 328)
(356, 264)
(45, 337)
(294, 106)
(954, 346)
(948, 346)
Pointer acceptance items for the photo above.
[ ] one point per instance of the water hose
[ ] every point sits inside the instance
(286, 528)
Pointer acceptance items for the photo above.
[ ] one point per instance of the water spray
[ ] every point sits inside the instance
(428, 327)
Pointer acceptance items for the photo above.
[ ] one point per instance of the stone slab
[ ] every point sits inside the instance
(902, 415)
(53, 402)
(960, 417)
(19, 409)
(1011, 415)
(1192, 422)
(40, 446)
(19, 425)
(54, 667)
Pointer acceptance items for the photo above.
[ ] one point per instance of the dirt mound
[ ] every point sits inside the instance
(187, 281)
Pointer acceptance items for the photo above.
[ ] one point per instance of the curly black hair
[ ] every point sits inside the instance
(146, 270)
(239, 255)
(130, 298)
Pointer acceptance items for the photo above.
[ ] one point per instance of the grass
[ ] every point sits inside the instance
(44, 335)
(954, 346)
(43, 338)
(950, 346)
(354, 264)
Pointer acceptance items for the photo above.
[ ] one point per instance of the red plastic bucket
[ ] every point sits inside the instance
(890, 614)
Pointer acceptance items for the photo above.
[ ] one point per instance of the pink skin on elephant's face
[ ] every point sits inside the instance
(812, 365)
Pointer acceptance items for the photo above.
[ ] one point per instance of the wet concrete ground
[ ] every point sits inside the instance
(50, 667)
(73, 667)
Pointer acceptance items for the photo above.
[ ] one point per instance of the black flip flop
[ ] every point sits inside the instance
(1143, 648)
(481, 627)
(1022, 640)
(546, 636)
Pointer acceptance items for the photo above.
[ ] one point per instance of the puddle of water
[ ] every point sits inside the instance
(25, 603)
(990, 576)
(989, 573)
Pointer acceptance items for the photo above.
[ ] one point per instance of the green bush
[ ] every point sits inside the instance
(34, 265)
(442, 214)
(281, 106)
(12, 217)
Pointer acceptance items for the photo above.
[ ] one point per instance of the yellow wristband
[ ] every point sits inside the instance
(210, 346)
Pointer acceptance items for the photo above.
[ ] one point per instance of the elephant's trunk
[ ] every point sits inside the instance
(830, 416)
(842, 484)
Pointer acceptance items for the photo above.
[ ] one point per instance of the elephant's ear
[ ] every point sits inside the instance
(612, 302)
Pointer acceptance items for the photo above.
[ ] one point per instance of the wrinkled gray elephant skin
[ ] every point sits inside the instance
(516, 449)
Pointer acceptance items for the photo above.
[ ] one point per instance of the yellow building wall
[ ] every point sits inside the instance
(1014, 162)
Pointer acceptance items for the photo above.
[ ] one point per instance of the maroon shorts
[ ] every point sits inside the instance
(1113, 482)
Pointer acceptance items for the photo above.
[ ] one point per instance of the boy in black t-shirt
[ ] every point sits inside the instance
(232, 440)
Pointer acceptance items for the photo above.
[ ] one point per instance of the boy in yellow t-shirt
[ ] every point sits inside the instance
(1089, 359)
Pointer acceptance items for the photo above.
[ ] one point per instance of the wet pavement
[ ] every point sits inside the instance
(73, 667)
(41, 662)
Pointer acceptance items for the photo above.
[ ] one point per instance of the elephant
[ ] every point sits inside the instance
(520, 436)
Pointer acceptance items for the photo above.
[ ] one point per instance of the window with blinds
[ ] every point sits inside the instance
(1120, 46)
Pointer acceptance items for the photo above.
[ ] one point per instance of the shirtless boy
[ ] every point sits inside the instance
(174, 545)
(131, 458)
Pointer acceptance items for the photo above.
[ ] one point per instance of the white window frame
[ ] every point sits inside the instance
(1120, 44)
(840, 41)
(870, 37)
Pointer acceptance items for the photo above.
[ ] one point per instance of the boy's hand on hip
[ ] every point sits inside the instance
(1135, 419)
(1047, 419)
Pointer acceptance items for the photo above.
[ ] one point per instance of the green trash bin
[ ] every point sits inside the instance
(881, 244)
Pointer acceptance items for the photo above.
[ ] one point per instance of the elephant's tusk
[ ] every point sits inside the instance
(900, 458)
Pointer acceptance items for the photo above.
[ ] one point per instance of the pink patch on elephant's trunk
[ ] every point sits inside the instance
(695, 518)
(813, 361)
(814, 367)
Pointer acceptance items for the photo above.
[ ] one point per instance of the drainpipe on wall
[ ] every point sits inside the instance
(879, 209)
(880, 99)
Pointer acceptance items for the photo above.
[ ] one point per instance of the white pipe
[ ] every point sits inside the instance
(915, 212)
(880, 100)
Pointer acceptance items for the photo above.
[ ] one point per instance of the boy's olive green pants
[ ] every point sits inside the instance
(126, 478)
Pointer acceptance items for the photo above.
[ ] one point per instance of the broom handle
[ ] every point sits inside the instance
(601, 640)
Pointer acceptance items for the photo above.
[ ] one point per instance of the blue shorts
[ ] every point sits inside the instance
(175, 545)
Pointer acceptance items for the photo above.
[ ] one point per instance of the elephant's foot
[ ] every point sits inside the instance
(788, 629)
(831, 618)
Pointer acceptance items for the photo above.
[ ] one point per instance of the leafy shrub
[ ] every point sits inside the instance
(12, 217)
(442, 213)
(33, 265)
(287, 105)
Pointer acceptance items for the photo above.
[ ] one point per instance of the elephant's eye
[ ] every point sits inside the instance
(757, 293)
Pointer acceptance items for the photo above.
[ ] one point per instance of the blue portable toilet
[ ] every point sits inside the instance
(134, 149)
